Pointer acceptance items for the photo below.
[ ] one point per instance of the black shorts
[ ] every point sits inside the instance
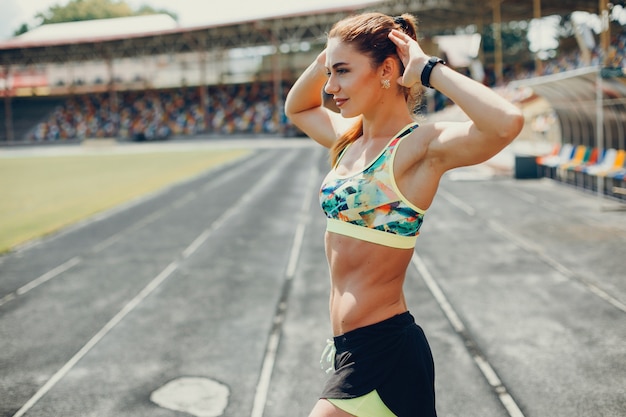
(392, 357)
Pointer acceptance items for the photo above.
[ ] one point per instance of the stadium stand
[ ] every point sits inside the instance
(116, 99)
(590, 105)
(152, 115)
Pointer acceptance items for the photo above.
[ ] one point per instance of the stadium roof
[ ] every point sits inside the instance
(102, 28)
(573, 97)
(435, 17)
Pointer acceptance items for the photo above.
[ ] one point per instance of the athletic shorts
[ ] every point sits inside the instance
(390, 360)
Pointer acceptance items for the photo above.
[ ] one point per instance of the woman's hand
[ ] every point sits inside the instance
(321, 58)
(411, 55)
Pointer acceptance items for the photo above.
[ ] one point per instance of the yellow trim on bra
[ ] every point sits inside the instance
(370, 235)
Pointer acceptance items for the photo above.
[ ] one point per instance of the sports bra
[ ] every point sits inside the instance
(368, 205)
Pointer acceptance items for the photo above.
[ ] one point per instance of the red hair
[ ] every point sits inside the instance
(368, 33)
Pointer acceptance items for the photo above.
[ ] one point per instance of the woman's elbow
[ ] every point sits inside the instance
(512, 125)
(289, 107)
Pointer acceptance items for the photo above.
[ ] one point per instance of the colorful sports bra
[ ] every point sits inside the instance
(368, 205)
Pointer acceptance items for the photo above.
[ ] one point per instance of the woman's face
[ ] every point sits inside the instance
(353, 83)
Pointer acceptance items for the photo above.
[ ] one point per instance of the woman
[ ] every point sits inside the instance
(386, 170)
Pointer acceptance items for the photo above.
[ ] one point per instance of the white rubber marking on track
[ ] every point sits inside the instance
(537, 250)
(40, 280)
(485, 368)
(457, 202)
(147, 290)
(200, 397)
(562, 269)
(53, 273)
(97, 337)
(263, 385)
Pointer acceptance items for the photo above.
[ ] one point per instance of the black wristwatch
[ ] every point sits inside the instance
(425, 78)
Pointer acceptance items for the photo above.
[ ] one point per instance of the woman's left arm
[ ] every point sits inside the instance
(494, 121)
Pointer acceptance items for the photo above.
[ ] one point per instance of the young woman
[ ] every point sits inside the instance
(385, 173)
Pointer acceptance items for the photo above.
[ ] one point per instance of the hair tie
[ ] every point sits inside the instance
(399, 20)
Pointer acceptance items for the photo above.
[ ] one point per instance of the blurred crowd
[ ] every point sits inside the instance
(240, 108)
(149, 115)
(574, 60)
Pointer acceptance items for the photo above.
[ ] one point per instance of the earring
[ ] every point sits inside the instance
(385, 84)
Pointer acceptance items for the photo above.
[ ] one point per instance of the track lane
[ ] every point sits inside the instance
(554, 346)
(298, 377)
(537, 327)
(109, 277)
(45, 256)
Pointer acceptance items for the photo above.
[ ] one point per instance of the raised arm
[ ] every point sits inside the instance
(305, 108)
(494, 121)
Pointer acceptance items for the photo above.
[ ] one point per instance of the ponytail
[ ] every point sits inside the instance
(347, 138)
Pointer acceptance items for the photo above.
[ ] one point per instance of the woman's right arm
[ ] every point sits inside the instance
(305, 108)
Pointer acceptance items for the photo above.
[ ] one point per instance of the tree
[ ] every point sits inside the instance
(22, 29)
(78, 10)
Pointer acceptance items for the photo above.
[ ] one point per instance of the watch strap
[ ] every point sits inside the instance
(432, 61)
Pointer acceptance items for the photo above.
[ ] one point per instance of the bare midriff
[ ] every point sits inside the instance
(366, 282)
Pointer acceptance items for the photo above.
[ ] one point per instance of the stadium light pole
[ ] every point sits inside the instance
(537, 16)
(277, 78)
(604, 19)
(497, 37)
(8, 110)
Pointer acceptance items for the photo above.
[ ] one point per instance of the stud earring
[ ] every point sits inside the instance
(385, 84)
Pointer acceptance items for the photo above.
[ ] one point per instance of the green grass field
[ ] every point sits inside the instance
(40, 195)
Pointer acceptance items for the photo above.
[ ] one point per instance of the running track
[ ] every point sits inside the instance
(222, 280)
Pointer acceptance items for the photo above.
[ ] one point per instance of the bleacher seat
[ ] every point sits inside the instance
(548, 164)
(616, 179)
(617, 165)
(604, 165)
(576, 173)
(553, 153)
(580, 170)
(581, 156)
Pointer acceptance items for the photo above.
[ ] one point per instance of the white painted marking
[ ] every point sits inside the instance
(529, 198)
(43, 278)
(487, 371)
(458, 203)
(435, 290)
(116, 237)
(562, 269)
(95, 339)
(262, 388)
(483, 365)
(472, 173)
(49, 275)
(201, 397)
(248, 164)
(295, 250)
(263, 385)
(146, 291)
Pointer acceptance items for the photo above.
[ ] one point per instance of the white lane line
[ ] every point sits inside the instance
(271, 350)
(96, 338)
(148, 289)
(457, 202)
(299, 236)
(537, 250)
(562, 269)
(485, 368)
(40, 280)
(249, 163)
(435, 290)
